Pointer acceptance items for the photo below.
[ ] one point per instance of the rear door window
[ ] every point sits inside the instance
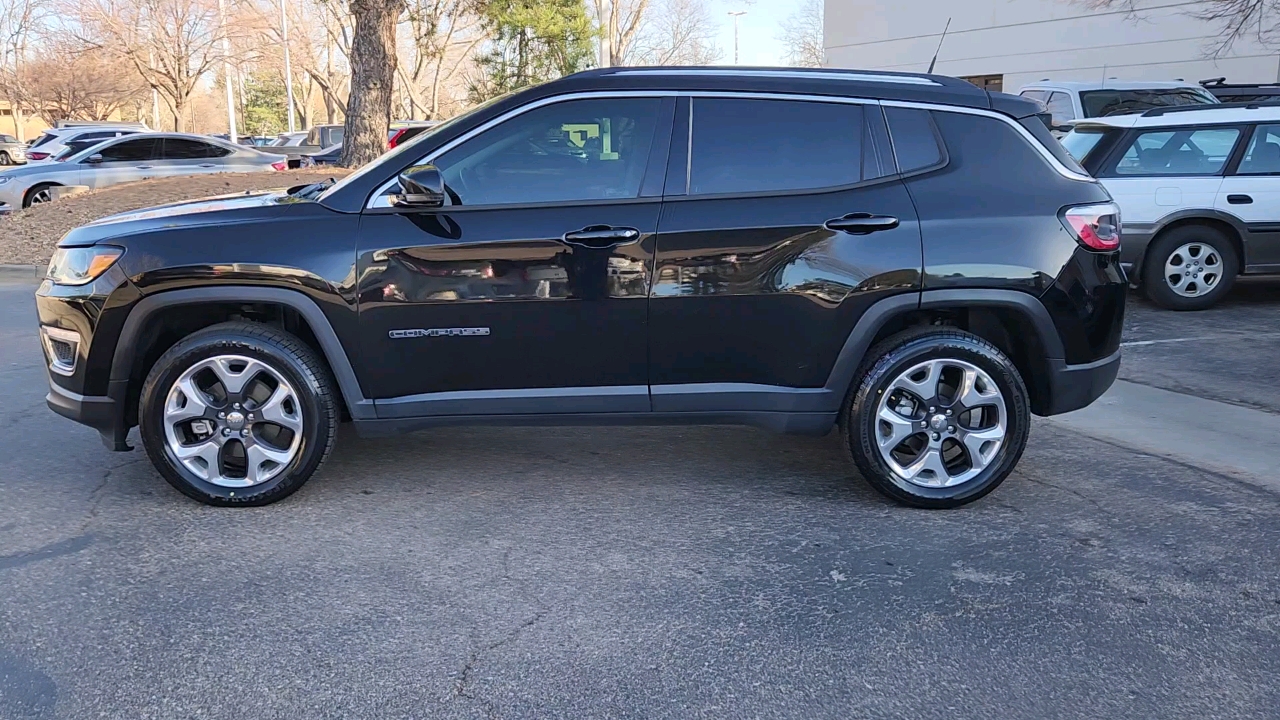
(1189, 151)
(915, 141)
(183, 149)
(744, 145)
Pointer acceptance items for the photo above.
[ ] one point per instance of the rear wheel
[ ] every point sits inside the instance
(1189, 268)
(939, 418)
(238, 414)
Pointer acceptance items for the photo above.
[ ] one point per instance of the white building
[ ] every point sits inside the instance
(1004, 44)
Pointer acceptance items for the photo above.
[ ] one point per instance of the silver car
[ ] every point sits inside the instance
(125, 159)
(12, 152)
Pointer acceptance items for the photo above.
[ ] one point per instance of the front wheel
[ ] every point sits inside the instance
(939, 418)
(38, 195)
(5, 159)
(238, 414)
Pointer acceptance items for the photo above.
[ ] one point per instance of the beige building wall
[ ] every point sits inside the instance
(1029, 40)
(33, 126)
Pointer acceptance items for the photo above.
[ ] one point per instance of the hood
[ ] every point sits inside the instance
(221, 209)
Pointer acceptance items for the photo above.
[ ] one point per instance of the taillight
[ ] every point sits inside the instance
(36, 155)
(281, 165)
(395, 139)
(1097, 227)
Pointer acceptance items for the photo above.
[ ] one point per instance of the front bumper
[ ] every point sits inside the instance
(99, 413)
(1075, 386)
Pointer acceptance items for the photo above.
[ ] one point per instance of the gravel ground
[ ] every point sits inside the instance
(29, 236)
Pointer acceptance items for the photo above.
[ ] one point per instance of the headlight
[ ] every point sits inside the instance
(81, 265)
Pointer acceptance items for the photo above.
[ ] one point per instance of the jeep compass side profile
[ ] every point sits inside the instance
(908, 258)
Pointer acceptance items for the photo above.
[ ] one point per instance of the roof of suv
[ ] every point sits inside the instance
(917, 87)
(1073, 86)
(1188, 115)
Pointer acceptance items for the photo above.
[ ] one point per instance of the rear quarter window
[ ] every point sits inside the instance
(916, 144)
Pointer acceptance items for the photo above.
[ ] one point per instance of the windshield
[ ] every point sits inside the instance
(411, 146)
(1079, 142)
(1101, 103)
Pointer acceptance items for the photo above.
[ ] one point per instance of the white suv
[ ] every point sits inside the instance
(1068, 101)
(1199, 195)
(55, 140)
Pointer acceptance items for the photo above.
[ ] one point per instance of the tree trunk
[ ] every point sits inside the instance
(179, 114)
(373, 74)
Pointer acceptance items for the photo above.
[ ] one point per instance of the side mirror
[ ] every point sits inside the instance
(421, 186)
(94, 159)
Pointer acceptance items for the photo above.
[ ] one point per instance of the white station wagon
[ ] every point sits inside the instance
(1199, 195)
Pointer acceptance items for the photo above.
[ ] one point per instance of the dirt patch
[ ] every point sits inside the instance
(28, 237)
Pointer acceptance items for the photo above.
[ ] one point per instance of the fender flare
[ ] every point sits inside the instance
(122, 360)
(882, 312)
(1242, 231)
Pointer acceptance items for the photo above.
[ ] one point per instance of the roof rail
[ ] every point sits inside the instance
(1158, 111)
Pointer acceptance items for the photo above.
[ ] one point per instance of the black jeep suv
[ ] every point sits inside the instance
(908, 257)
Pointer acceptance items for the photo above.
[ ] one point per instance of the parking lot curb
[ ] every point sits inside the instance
(26, 272)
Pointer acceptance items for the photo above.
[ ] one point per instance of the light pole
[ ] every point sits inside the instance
(226, 70)
(288, 71)
(736, 14)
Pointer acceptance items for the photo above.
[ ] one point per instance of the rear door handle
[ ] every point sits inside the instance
(1239, 199)
(144, 167)
(207, 165)
(861, 223)
(602, 236)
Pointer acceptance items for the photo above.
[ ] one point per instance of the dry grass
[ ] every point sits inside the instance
(28, 237)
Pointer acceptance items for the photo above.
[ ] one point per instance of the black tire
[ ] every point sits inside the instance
(5, 159)
(1156, 285)
(896, 355)
(26, 199)
(284, 353)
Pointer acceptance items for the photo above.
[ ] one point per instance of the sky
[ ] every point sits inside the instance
(758, 43)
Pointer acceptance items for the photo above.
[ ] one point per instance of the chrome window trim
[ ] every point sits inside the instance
(1056, 164)
(378, 199)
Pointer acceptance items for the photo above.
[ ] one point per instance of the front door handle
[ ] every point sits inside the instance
(861, 223)
(207, 165)
(602, 236)
(144, 167)
(1239, 199)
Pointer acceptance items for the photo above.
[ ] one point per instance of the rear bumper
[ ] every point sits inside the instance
(1075, 386)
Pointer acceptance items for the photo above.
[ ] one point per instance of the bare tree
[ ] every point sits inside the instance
(172, 44)
(619, 23)
(69, 83)
(373, 73)
(19, 22)
(442, 35)
(678, 32)
(327, 52)
(1232, 20)
(802, 35)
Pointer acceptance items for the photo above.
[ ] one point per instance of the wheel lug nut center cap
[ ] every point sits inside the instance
(937, 422)
(235, 420)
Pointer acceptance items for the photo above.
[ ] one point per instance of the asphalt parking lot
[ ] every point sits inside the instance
(652, 572)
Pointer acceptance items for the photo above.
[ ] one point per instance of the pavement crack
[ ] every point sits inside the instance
(463, 685)
(1069, 491)
(96, 495)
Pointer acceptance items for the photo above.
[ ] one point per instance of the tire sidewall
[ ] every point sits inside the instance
(151, 420)
(1157, 286)
(863, 426)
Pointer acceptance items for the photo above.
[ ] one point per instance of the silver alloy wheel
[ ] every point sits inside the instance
(940, 423)
(1194, 269)
(4, 159)
(41, 196)
(230, 411)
